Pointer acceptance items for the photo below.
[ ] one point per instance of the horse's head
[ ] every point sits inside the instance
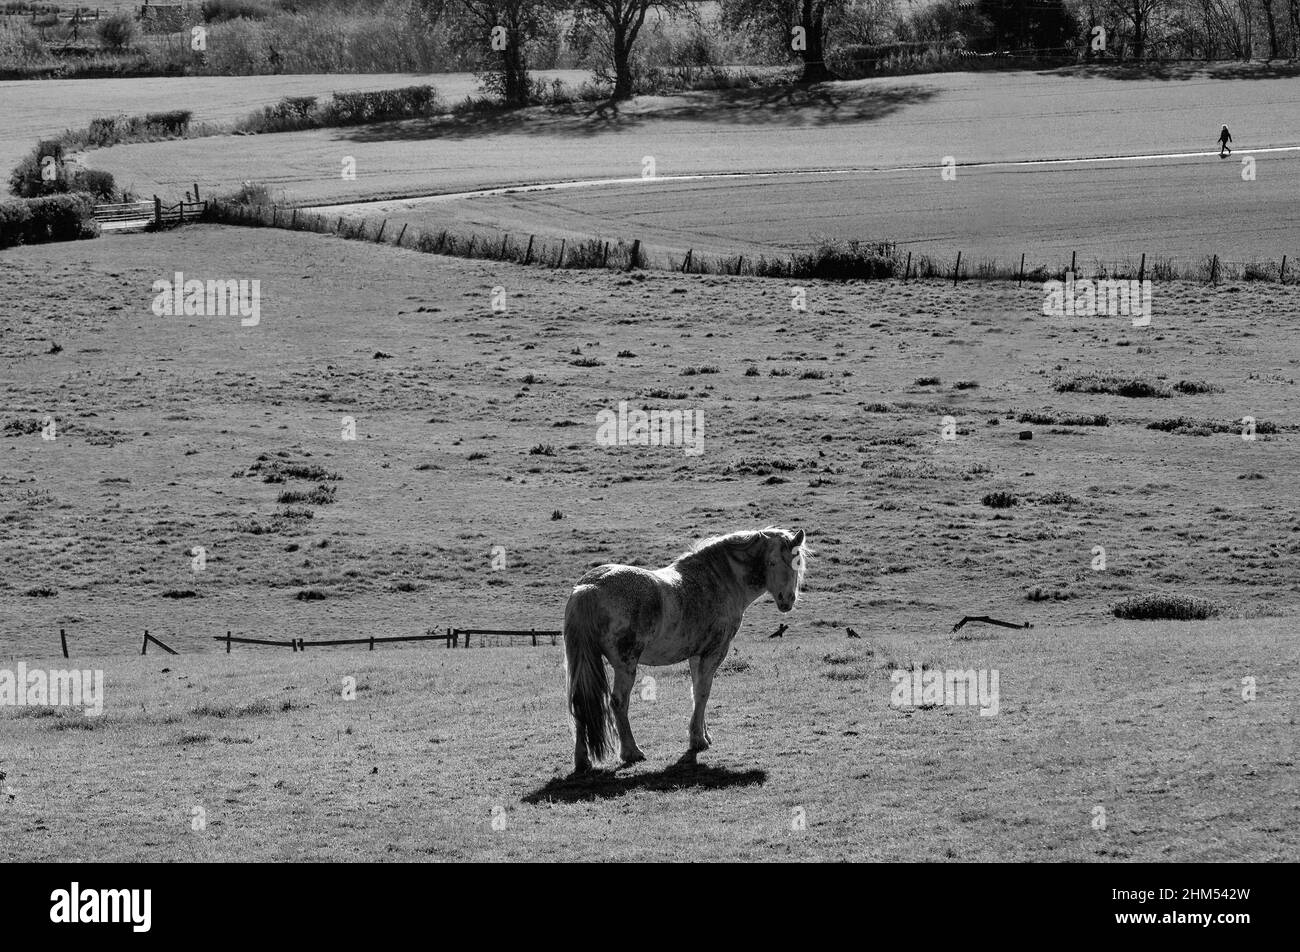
(784, 566)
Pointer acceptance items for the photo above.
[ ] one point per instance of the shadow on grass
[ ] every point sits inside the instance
(795, 105)
(1240, 70)
(604, 784)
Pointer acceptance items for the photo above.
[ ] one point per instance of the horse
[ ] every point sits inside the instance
(689, 610)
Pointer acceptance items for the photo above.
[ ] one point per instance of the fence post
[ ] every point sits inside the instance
(686, 264)
(401, 233)
(559, 262)
(157, 211)
(534, 632)
(956, 269)
(227, 641)
(1281, 278)
(1022, 270)
(63, 640)
(1072, 259)
(1214, 270)
(1142, 268)
(372, 642)
(144, 648)
(604, 260)
(293, 222)
(908, 269)
(380, 237)
(196, 192)
(502, 253)
(636, 251)
(739, 261)
(528, 255)
(338, 224)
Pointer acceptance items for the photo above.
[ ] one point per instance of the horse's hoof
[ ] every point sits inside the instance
(634, 758)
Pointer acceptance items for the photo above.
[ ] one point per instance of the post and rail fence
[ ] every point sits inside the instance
(450, 637)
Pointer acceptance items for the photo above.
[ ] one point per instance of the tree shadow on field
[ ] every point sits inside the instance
(1184, 71)
(806, 106)
(604, 784)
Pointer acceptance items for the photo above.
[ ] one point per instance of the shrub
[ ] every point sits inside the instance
(49, 218)
(1120, 386)
(27, 180)
(218, 11)
(174, 122)
(1196, 386)
(250, 193)
(407, 102)
(21, 46)
(999, 500)
(119, 31)
(1158, 607)
(839, 262)
(13, 222)
(96, 182)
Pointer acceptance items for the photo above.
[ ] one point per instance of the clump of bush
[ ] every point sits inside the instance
(250, 193)
(835, 261)
(30, 221)
(119, 31)
(1119, 386)
(218, 11)
(1196, 386)
(999, 500)
(345, 109)
(115, 130)
(1157, 607)
(1065, 419)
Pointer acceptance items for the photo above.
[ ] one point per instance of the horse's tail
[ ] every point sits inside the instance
(588, 684)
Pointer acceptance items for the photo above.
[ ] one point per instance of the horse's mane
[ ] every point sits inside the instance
(744, 546)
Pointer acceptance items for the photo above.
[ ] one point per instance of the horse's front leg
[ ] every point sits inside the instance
(703, 667)
(624, 679)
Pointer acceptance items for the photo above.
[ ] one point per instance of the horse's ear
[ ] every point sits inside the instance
(798, 540)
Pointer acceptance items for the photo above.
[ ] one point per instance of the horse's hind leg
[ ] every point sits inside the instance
(624, 679)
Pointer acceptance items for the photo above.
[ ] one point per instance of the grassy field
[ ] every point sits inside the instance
(1144, 721)
(33, 109)
(476, 428)
(898, 130)
(1112, 213)
(877, 123)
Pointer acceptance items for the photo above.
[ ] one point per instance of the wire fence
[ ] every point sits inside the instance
(837, 261)
(451, 638)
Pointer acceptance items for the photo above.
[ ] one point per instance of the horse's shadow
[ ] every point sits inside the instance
(604, 784)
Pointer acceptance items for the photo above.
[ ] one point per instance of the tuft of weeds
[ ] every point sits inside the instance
(1000, 500)
(1133, 387)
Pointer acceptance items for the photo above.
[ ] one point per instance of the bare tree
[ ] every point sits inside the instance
(615, 26)
(1272, 29)
(504, 28)
(798, 25)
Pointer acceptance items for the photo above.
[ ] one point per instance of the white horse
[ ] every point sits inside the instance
(690, 610)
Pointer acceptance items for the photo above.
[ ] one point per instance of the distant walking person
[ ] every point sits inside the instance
(1224, 138)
